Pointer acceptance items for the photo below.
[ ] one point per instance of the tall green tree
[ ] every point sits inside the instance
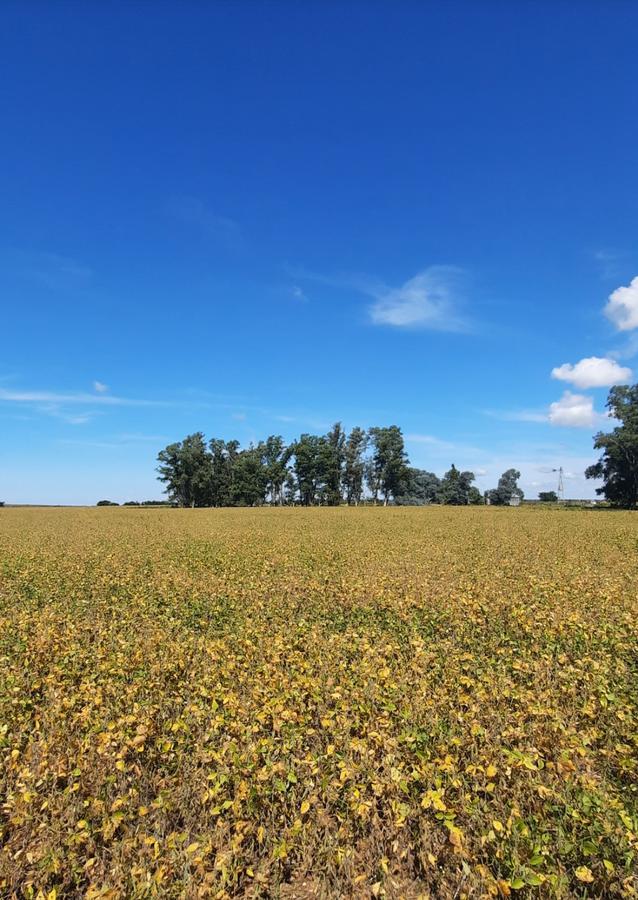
(185, 469)
(276, 457)
(507, 489)
(455, 487)
(310, 467)
(249, 477)
(333, 465)
(389, 464)
(223, 456)
(290, 488)
(618, 465)
(354, 465)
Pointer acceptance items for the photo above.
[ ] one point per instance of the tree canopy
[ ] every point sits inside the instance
(420, 488)
(455, 487)
(618, 465)
(506, 490)
(313, 470)
(327, 470)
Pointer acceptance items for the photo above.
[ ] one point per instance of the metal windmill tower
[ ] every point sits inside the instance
(561, 486)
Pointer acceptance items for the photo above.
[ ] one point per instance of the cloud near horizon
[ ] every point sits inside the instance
(571, 411)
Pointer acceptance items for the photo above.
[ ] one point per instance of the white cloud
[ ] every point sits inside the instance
(425, 301)
(573, 411)
(592, 372)
(100, 387)
(429, 300)
(622, 307)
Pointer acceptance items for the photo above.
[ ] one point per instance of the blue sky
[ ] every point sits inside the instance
(256, 218)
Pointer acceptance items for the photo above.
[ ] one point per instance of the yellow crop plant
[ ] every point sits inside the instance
(302, 703)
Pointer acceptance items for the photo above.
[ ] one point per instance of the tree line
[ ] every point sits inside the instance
(371, 466)
(315, 470)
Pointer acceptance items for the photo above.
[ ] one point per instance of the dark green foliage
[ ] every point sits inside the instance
(333, 465)
(105, 503)
(507, 489)
(276, 457)
(455, 487)
(220, 476)
(185, 470)
(388, 469)
(618, 465)
(421, 487)
(249, 477)
(311, 455)
(315, 470)
(548, 497)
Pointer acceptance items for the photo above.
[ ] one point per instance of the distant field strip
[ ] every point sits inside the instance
(401, 703)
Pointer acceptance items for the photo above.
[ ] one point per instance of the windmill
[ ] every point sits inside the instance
(561, 487)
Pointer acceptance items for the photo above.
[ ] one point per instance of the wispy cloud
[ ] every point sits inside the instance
(116, 441)
(439, 446)
(610, 262)
(430, 300)
(628, 350)
(136, 437)
(63, 406)
(50, 270)
(300, 419)
(194, 212)
(73, 398)
(298, 293)
(100, 387)
(516, 415)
